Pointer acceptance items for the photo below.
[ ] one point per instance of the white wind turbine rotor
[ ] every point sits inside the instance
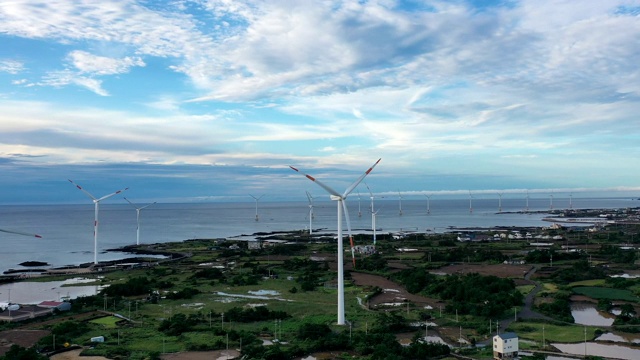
(257, 199)
(340, 198)
(138, 209)
(310, 198)
(96, 203)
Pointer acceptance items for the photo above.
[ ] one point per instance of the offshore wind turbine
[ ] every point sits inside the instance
(527, 207)
(19, 233)
(551, 202)
(428, 203)
(138, 218)
(359, 212)
(310, 198)
(96, 202)
(373, 216)
(257, 199)
(400, 202)
(341, 205)
(570, 201)
(470, 206)
(499, 202)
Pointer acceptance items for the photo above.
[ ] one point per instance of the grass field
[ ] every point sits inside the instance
(605, 293)
(107, 322)
(552, 333)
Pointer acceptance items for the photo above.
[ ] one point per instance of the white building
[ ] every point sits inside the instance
(505, 346)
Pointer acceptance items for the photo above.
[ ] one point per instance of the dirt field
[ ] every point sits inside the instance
(24, 338)
(202, 355)
(499, 270)
(392, 292)
(75, 355)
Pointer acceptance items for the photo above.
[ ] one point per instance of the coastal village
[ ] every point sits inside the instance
(381, 290)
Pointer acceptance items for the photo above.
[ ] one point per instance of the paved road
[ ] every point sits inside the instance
(527, 312)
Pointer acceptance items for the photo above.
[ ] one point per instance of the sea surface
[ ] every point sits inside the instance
(67, 230)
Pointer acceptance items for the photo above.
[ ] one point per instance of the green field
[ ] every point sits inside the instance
(552, 333)
(605, 293)
(108, 322)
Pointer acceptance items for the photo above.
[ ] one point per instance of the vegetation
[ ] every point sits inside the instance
(182, 305)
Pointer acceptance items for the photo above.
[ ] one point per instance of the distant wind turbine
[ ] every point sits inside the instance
(96, 202)
(499, 202)
(359, 211)
(256, 199)
(19, 233)
(470, 206)
(373, 216)
(341, 205)
(310, 198)
(570, 201)
(400, 202)
(138, 209)
(428, 204)
(527, 207)
(551, 201)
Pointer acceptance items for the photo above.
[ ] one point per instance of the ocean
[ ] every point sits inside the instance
(67, 230)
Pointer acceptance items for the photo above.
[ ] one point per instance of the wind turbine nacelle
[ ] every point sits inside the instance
(335, 198)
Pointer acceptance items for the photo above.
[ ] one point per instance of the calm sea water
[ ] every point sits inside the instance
(67, 230)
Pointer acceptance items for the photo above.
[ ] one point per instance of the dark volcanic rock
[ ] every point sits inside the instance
(33, 263)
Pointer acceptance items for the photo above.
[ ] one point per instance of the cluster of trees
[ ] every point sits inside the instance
(260, 313)
(474, 294)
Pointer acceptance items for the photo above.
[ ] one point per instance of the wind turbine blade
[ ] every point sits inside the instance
(19, 233)
(309, 197)
(346, 216)
(144, 207)
(357, 182)
(322, 185)
(110, 195)
(83, 190)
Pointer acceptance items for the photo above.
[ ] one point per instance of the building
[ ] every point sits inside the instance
(59, 305)
(505, 346)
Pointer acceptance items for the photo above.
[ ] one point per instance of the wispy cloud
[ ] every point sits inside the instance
(11, 66)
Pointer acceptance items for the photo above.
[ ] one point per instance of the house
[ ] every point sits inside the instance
(60, 305)
(505, 346)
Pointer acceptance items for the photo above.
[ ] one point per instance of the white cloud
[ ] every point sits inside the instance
(11, 66)
(100, 65)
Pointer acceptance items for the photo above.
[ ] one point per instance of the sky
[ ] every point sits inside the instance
(213, 100)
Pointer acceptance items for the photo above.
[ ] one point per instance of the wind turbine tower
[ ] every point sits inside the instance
(310, 198)
(499, 202)
(570, 201)
(96, 202)
(527, 206)
(138, 209)
(551, 202)
(257, 199)
(428, 204)
(400, 202)
(470, 206)
(373, 216)
(341, 205)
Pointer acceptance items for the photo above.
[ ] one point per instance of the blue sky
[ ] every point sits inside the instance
(213, 100)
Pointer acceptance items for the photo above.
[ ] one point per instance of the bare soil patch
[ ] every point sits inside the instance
(24, 338)
(203, 355)
(499, 270)
(75, 355)
(392, 291)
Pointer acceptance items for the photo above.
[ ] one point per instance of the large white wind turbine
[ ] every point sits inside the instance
(310, 198)
(341, 204)
(257, 199)
(96, 203)
(19, 233)
(138, 218)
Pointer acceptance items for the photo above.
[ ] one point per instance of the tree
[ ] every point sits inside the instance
(17, 352)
